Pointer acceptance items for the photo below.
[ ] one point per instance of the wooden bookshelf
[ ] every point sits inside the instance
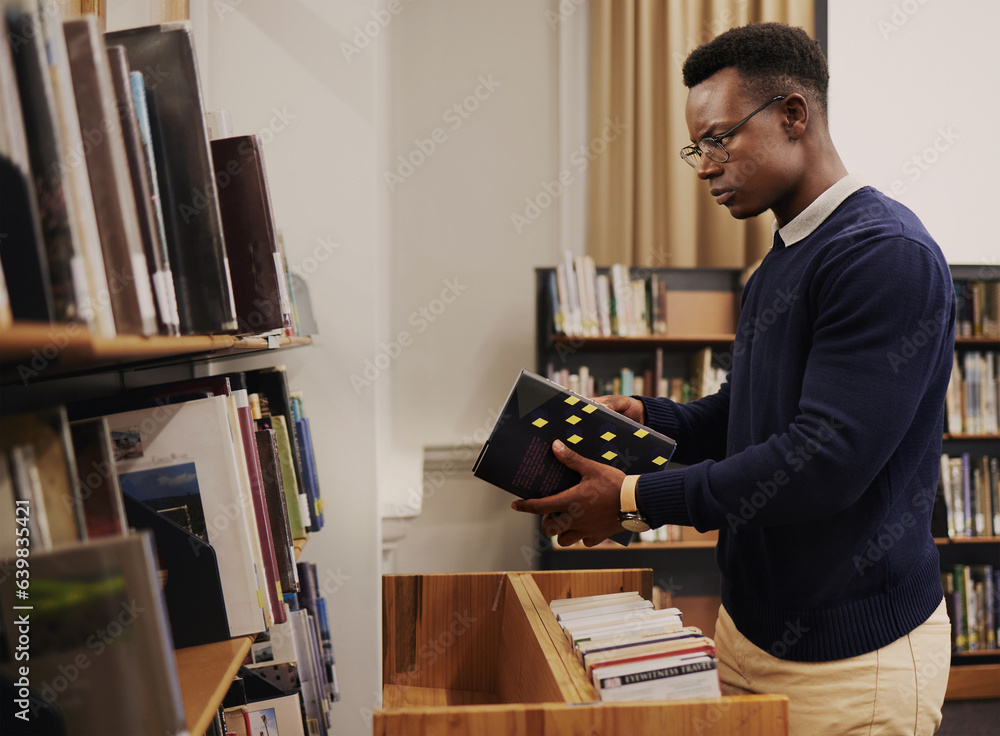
(973, 682)
(205, 673)
(482, 653)
(43, 350)
(650, 342)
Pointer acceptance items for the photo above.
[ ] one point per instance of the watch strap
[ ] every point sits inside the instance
(628, 502)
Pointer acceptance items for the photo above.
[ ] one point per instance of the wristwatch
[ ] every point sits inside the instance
(629, 516)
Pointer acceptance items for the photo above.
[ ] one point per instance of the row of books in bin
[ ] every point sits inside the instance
(119, 213)
(183, 500)
(972, 594)
(631, 651)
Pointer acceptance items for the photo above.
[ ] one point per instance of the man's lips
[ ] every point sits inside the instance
(722, 195)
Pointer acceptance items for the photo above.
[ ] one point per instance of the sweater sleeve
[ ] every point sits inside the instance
(882, 327)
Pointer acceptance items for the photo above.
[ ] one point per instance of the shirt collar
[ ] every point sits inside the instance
(803, 224)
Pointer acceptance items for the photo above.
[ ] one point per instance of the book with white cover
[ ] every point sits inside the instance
(596, 659)
(592, 601)
(198, 433)
(670, 678)
(281, 715)
(650, 623)
(584, 613)
(616, 617)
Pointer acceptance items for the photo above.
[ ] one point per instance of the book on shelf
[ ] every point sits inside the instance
(189, 202)
(98, 625)
(44, 471)
(517, 457)
(150, 219)
(63, 268)
(587, 301)
(110, 182)
(22, 249)
(190, 450)
(260, 286)
(971, 593)
(100, 493)
(978, 303)
(971, 399)
(968, 486)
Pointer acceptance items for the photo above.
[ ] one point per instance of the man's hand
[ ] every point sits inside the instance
(625, 405)
(588, 510)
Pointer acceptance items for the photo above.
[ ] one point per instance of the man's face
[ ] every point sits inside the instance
(757, 176)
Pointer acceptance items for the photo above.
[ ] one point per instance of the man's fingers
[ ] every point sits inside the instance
(548, 505)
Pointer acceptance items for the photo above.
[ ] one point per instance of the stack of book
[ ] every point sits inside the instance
(978, 303)
(705, 374)
(619, 301)
(290, 678)
(971, 400)
(971, 593)
(969, 486)
(632, 651)
(183, 502)
(120, 215)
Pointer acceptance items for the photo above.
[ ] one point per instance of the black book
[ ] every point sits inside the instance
(518, 455)
(186, 178)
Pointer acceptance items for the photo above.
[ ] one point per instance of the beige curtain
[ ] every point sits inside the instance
(646, 206)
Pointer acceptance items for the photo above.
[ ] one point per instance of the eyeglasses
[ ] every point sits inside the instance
(712, 147)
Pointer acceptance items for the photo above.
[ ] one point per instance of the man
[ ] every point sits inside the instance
(818, 458)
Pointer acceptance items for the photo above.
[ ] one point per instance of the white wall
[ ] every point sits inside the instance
(473, 90)
(913, 102)
(278, 70)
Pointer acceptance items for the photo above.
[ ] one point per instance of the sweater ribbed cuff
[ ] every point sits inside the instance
(660, 415)
(661, 498)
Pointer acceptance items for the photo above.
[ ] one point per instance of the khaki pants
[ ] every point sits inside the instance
(892, 691)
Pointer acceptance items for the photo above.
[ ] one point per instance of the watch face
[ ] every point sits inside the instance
(633, 523)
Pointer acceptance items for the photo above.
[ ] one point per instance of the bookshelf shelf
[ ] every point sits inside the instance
(53, 349)
(977, 342)
(642, 343)
(966, 540)
(967, 437)
(205, 673)
(973, 682)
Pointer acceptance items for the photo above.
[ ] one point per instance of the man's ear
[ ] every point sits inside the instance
(796, 112)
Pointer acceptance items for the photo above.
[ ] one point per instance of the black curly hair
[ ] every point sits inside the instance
(773, 59)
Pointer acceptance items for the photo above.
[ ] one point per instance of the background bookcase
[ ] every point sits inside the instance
(686, 569)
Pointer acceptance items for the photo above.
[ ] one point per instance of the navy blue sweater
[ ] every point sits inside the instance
(818, 459)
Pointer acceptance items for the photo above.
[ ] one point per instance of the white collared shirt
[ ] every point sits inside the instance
(812, 216)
